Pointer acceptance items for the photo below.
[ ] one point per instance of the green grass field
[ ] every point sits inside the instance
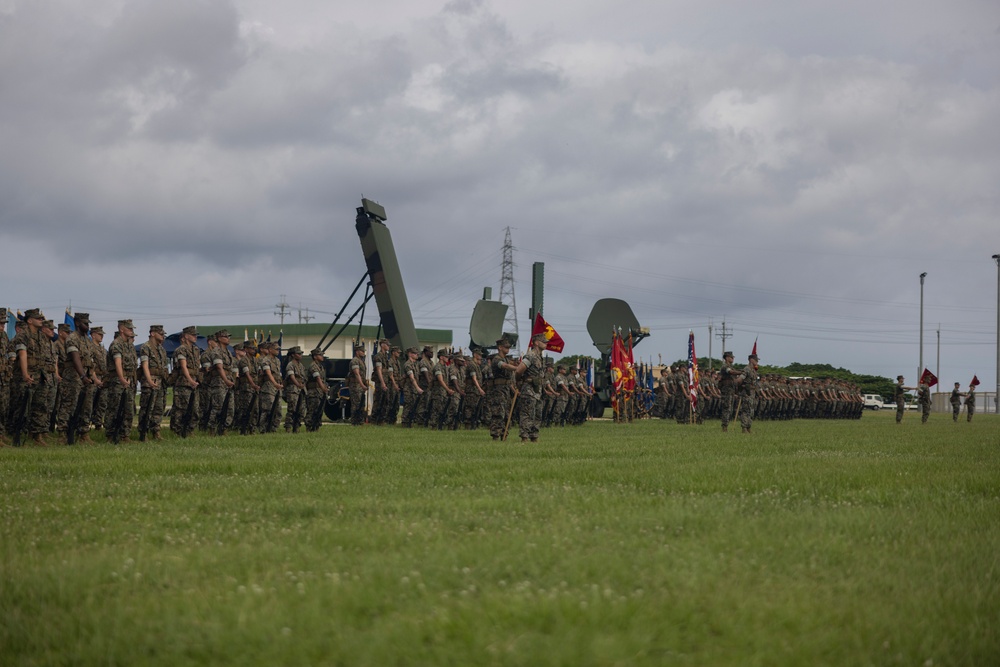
(807, 543)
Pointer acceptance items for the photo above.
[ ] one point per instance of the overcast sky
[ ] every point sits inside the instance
(790, 166)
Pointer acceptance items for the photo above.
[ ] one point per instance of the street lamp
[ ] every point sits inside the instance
(996, 397)
(920, 372)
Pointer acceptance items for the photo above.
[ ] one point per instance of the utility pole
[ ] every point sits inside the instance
(282, 307)
(937, 367)
(507, 286)
(305, 317)
(920, 370)
(724, 333)
(709, 344)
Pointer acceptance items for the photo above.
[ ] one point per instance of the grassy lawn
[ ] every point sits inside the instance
(807, 543)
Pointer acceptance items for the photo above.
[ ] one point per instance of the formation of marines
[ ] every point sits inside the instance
(729, 394)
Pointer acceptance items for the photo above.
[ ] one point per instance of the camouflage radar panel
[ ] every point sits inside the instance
(487, 323)
(610, 315)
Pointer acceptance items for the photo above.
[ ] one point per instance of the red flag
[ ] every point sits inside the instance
(975, 381)
(619, 362)
(630, 367)
(554, 340)
(754, 350)
(928, 378)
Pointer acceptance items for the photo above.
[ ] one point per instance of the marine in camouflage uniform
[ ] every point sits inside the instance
(247, 389)
(380, 378)
(924, 399)
(270, 381)
(5, 366)
(395, 378)
(562, 396)
(970, 403)
(204, 402)
(425, 379)
(76, 376)
(316, 391)
(187, 363)
(440, 392)
(295, 384)
(456, 382)
(532, 369)
(122, 366)
(499, 394)
(411, 387)
(549, 394)
(956, 402)
(97, 397)
(749, 384)
(474, 391)
(222, 375)
(357, 385)
(660, 402)
(153, 377)
(32, 350)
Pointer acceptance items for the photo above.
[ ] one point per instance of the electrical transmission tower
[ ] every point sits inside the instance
(507, 286)
(283, 309)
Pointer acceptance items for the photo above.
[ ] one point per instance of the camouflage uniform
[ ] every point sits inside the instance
(410, 395)
(270, 414)
(727, 386)
(72, 384)
(153, 401)
(97, 398)
(498, 396)
(395, 375)
(425, 379)
(899, 396)
(749, 386)
(380, 396)
(316, 393)
(121, 397)
(37, 348)
(247, 399)
(296, 412)
(5, 370)
(470, 411)
(970, 404)
(357, 387)
(531, 394)
(184, 414)
(456, 382)
(562, 398)
(924, 399)
(222, 366)
(439, 392)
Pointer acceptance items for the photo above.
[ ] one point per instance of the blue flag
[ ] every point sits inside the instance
(68, 319)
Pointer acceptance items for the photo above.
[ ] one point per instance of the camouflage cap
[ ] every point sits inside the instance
(222, 333)
(560, 367)
(211, 338)
(126, 323)
(549, 361)
(82, 317)
(190, 331)
(428, 348)
(49, 324)
(412, 350)
(384, 341)
(295, 350)
(443, 353)
(395, 348)
(503, 340)
(458, 357)
(727, 353)
(539, 337)
(316, 352)
(96, 330)
(477, 350)
(3, 313)
(156, 328)
(358, 347)
(33, 314)
(65, 327)
(899, 377)
(754, 357)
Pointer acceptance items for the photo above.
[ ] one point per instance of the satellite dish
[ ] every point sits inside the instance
(610, 315)
(487, 323)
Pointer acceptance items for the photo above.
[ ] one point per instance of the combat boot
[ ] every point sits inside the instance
(746, 429)
(39, 440)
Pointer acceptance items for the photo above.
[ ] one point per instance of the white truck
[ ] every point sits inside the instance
(873, 402)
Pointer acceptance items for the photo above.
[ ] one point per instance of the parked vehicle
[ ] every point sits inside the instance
(873, 402)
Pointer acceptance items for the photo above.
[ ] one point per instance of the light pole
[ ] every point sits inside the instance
(996, 397)
(920, 372)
